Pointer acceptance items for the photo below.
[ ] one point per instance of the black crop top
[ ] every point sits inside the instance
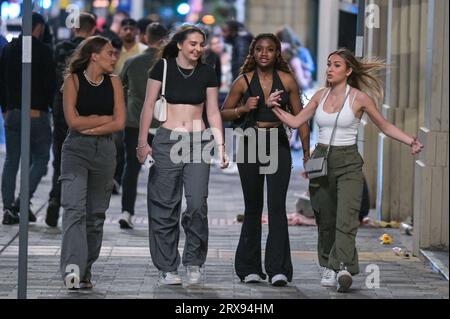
(95, 100)
(263, 113)
(180, 90)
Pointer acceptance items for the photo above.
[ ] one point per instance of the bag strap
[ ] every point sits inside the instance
(335, 122)
(248, 84)
(163, 90)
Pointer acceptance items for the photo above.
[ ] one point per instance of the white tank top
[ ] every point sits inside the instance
(347, 125)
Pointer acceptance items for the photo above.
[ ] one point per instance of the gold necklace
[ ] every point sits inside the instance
(93, 83)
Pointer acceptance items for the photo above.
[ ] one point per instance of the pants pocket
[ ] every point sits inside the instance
(68, 192)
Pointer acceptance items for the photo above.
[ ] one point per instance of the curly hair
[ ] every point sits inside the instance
(250, 62)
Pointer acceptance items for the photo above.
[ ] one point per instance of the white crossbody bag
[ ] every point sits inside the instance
(160, 111)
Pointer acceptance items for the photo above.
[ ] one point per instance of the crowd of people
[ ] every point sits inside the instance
(101, 91)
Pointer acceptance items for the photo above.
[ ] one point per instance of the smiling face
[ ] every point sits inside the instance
(106, 58)
(337, 70)
(193, 47)
(265, 53)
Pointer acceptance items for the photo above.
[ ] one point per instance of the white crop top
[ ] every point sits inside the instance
(347, 125)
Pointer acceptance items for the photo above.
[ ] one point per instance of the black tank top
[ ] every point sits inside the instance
(263, 113)
(95, 100)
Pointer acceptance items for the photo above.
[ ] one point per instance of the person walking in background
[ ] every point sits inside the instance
(235, 34)
(63, 52)
(142, 25)
(43, 84)
(134, 78)
(352, 90)
(128, 32)
(265, 80)
(94, 108)
(130, 48)
(189, 83)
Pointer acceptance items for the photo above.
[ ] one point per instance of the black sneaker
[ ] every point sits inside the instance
(52, 213)
(16, 208)
(10, 217)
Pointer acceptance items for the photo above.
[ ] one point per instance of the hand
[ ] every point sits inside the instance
(143, 152)
(224, 160)
(416, 146)
(274, 99)
(251, 104)
(304, 174)
(89, 131)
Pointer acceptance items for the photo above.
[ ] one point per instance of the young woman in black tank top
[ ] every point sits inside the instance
(190, 86)
(94, 108)
(266, 81)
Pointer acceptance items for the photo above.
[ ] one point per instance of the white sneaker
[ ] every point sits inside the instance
(125, 220)
(253, 279)
(328, 278)
(169, 278)
(194, 275)
(344, 281)
(279, 280)
(72, 281)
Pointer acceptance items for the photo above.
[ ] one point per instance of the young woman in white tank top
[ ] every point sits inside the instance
(336, 198)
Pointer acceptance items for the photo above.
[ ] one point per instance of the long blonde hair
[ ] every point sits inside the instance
(365, 74)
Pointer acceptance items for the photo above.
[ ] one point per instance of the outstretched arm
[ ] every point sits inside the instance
(368, 106)
(301, 118)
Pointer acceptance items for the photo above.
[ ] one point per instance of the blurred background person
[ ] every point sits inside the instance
(134, 78)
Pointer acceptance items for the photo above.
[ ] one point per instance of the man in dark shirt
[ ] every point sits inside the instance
(63, 52)
(42, 90)
(134, 78)
(240, 39)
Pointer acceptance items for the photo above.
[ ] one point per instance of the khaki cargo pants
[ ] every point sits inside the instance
(336, 201)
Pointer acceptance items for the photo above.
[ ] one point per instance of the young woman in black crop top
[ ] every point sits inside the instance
(189, 84)
(94, 108)
(265, 81)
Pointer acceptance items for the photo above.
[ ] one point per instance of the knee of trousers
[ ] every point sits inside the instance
(197, 204)
(71, 194)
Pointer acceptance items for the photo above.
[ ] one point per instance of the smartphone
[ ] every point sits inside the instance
(149, 161)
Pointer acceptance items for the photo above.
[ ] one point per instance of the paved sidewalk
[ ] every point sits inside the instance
(124, 269)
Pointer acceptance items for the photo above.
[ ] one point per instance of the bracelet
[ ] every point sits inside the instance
(141, 146)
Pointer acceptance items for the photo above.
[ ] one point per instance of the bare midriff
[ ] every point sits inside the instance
(184, 117)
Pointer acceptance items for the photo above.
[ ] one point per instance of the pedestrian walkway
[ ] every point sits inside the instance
(124, 269)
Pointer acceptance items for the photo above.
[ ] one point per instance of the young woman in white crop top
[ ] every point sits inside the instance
(336, 198)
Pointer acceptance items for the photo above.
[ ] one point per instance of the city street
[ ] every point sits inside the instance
(125, 270)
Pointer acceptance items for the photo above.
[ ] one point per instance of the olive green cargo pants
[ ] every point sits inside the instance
(336, 201)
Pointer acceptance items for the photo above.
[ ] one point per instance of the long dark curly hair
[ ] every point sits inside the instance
(250, 62)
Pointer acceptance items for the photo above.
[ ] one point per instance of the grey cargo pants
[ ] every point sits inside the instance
(87, 171)
(165, 189)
